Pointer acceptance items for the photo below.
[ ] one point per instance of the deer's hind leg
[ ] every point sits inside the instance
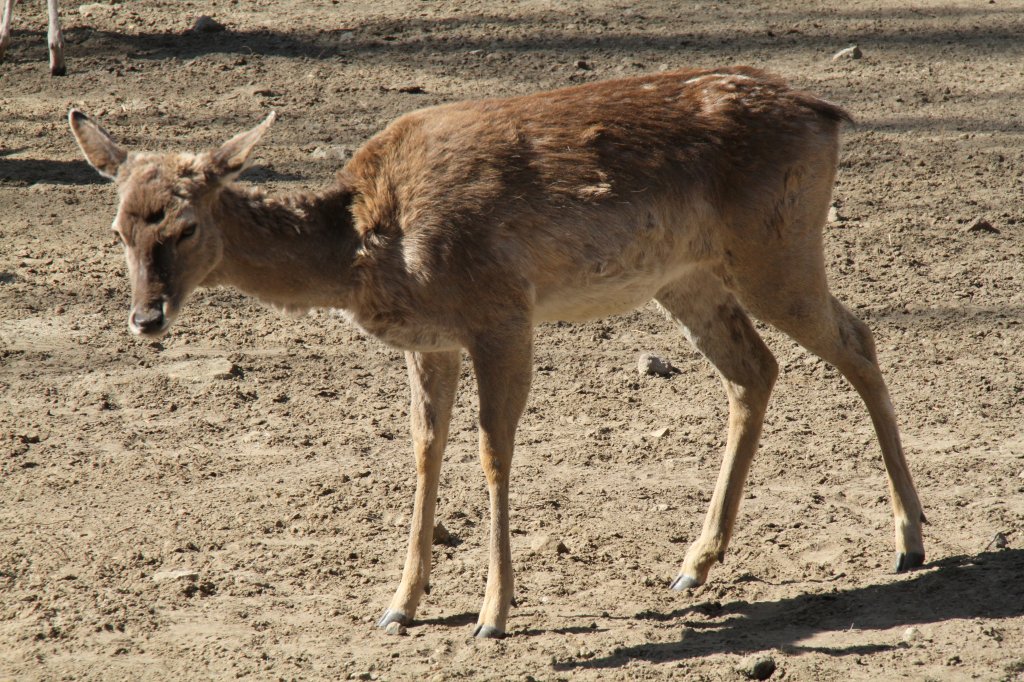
(715, 323)
(793, 296)
(433, 378)
(780, 278)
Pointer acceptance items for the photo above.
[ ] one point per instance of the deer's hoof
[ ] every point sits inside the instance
(684, 582)
(488, 632)
(908, 560)
(390, 617)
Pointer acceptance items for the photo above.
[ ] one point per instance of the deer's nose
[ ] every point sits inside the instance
(148, 319)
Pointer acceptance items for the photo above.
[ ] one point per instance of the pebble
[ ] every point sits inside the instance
(205, 24)
(757, 666)
(336, 153)
(260, 91)
(852, 52)
(441, 534)
(911, 635)
(650, 364)
(395, 628)
(181, 574)
(999, 541)
(834, 216)
(92, 8)
(67, 573)
(548, 544)
(982, 225)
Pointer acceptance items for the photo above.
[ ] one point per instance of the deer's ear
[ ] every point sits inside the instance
(233, 157)
(99, 148)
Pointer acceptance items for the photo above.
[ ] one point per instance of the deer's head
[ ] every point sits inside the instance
(164, 219)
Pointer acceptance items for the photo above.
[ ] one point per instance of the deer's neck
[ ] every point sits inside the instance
(293, 251)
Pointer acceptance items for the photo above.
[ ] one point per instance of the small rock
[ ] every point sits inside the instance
(911, 635)
(91, 9)
(834, 216)
(262, 91)
(852, 52)
(999, 541)
(395, 628)
(441, 534)
(757, 667)
(203, 589)
(582, 65)
(336, 153)
(181, 574)
(982, 225)
(67, 573)
(412, 89)
(205, 24)
(548, 544)
(660, 433)
(650, 364)
(202, 370)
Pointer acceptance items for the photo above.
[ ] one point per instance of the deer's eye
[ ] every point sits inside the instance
(155, 217)
(187, 232)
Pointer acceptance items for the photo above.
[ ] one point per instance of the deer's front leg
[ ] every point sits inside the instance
(5, 26)
(56, 41)
(433, 378)
(503, 370)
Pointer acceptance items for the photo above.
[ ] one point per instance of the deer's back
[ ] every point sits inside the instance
(620, 183)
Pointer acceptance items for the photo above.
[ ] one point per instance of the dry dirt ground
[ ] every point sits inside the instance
(233, 501)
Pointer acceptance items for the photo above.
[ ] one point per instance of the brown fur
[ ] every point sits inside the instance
(462, 226)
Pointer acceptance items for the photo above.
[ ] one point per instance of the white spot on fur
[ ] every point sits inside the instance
(725, 77)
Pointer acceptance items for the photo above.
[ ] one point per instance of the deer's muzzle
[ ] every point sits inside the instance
(148, 319)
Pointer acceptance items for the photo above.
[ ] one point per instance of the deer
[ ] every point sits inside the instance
(460, 227)
(54, 36)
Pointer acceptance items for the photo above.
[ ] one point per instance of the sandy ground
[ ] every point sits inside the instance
(233, 501)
